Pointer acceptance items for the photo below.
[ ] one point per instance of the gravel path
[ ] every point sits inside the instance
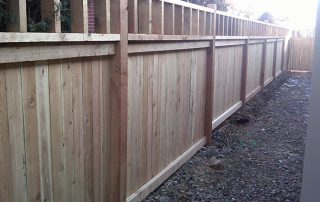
(262, 160)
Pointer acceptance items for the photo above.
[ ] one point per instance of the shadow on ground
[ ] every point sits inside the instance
(262, 159)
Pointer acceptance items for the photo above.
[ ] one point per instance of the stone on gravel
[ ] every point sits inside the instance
(216, 164)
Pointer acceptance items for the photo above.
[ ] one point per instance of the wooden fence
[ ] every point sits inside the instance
(109, 117)
(300, 53)
(242, 68)
(171, 17)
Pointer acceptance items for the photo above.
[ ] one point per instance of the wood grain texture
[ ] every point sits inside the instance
(300, 53)
(55, 130)
(16, 131)
(6, 184)
(227, 79)
(254, 67)
(166, 96)
(269, 63)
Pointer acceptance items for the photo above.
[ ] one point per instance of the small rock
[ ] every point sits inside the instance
(165, 199)
(216, 164)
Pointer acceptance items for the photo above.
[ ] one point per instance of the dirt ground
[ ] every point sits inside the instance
(262, 160)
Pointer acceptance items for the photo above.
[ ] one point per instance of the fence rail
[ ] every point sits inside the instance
(109, 116)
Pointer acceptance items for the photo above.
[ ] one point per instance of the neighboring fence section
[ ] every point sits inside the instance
(300, 53)
(166, 90)
(109, 117)
(242, 68)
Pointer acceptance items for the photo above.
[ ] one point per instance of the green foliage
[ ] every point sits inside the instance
(65, 15)
(35, 22)
(42, 26)
(222, 5)
(3, 15)
(267, 17)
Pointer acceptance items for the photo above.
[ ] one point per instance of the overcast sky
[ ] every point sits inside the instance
(301, 14)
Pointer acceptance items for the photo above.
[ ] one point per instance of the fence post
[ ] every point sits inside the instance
(282, 54)
(275, 50)
(118, 100)
(244, 72)
(263, 67)
(289, 55)
(209, 83)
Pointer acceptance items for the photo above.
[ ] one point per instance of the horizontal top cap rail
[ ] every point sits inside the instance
(190, 5)
(13, 37)
(155, 37)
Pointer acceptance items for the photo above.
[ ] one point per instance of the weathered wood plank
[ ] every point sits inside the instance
(67, 129)
(87, 128)
(43, 114)
(31, 130)
(78, 124)
(105, 130)
(6, 183)
(57, 141)
(35, 53)
(16, 131)
(152, 47)
(16, 37)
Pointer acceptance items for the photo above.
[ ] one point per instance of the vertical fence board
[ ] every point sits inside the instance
(67, 129)
(17, 139)
(105, 130)
(87, 128)
(78, 124)
(6, 183)
(30, 102)
(97, 121)
(57, 141)
(43, 113)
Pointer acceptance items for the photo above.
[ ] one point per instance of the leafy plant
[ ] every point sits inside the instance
(42, 26)
(65, 15)
(35, 21)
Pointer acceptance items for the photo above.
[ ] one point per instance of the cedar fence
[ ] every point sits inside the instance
(109, 116)
(300, 54)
